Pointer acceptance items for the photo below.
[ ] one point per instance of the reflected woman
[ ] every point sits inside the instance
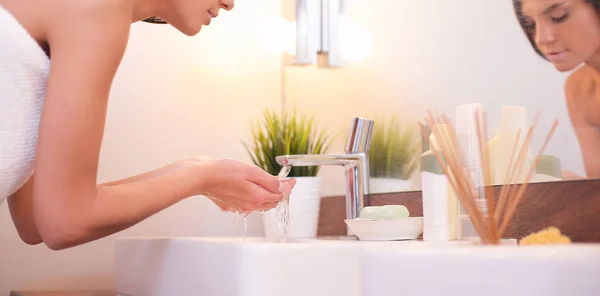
(567, 33)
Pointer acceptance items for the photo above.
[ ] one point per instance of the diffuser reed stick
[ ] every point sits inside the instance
(491, 223)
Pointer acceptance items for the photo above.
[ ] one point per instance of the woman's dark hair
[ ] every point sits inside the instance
(154, 20)
(529, 29)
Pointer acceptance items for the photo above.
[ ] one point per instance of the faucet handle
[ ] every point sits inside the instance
(359, 138)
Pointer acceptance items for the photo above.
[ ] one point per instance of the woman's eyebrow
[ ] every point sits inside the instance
(553, 6)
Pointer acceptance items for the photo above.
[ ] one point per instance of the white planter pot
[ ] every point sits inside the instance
(386, 185)
(304, 205)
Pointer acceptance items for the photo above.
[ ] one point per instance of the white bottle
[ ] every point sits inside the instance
(513, 119)
(495, 152)
(440, 210)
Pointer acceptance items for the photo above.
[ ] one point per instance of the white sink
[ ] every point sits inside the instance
(222, 267)
(475, 270)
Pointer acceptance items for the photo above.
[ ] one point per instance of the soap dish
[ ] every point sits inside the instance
(386, 229)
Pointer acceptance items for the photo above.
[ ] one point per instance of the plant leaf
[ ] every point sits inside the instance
(287, 133)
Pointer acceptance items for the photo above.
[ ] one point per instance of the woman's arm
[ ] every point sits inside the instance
(21, 211)
(87, 45)
(68, 208)
(589, 141)
(582, 92)
(21, 202)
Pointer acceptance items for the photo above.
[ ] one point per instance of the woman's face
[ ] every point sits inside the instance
(567, 32)
(188, 16)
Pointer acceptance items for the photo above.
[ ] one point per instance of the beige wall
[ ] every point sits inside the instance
(177, 96)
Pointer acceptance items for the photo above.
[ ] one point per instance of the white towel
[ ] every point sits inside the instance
(24, 69)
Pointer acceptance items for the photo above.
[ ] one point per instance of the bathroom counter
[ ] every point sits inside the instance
(186, 266)
(572, 206)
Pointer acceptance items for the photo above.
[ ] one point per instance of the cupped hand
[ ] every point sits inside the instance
(238, 186)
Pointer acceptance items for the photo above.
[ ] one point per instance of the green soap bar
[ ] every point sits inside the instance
(384, 212)
(370, 213)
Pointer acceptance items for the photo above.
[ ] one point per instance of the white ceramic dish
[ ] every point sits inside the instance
(386, 230)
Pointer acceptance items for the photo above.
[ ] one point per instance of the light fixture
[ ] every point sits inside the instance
(318, 24)
(314, 32)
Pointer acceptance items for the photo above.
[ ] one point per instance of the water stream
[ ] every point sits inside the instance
(282, 209)
(282, 215)
(245, 215)
(235, 222)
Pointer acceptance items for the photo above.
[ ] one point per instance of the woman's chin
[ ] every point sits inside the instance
(192, 31)
(189, 30)
(564, 67)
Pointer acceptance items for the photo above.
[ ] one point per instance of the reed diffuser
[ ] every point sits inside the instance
(490, 224)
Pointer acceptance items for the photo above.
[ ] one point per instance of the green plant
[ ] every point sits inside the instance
(394, 151)
(284, 134)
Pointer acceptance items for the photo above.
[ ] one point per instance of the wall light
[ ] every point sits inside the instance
(322, 34)
(318, 32)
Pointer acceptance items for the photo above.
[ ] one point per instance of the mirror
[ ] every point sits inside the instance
(439, 55)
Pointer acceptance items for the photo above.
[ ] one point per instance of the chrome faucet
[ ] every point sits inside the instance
(355, 161)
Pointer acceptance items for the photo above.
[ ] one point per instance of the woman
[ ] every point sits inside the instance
(567, 33)
(52, 123)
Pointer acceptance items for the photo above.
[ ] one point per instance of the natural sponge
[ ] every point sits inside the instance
(548, 236)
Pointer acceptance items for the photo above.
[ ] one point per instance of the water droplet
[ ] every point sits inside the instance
(245, 225)
(235, 222)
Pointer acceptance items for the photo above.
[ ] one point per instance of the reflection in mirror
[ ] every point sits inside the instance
(393, 156)
(441, 55)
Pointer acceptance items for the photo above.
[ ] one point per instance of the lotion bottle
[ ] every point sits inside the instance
(440, 208)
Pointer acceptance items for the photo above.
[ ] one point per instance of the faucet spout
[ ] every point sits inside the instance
(355, 162)
(357, 177)
(318, 159)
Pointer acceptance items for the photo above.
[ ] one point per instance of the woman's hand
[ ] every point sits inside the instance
(237, 186)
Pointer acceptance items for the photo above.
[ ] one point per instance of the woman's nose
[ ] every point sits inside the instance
(544, 34)
(227, 4)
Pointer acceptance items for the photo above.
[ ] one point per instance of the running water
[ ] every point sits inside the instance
(245, 215)
(282, 209)
(281, 213)
(236, 218)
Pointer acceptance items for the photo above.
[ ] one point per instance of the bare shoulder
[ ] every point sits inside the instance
(66, 11)
(89, 23)
(87, 41)
(582, 83)
(582, 91)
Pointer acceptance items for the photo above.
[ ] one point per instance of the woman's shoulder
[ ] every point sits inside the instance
(95, 8)
(582, 90)
(42, 18)
(100, 15)
(582, 78)
(71, 10)
(583, 82)
(88, 32)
